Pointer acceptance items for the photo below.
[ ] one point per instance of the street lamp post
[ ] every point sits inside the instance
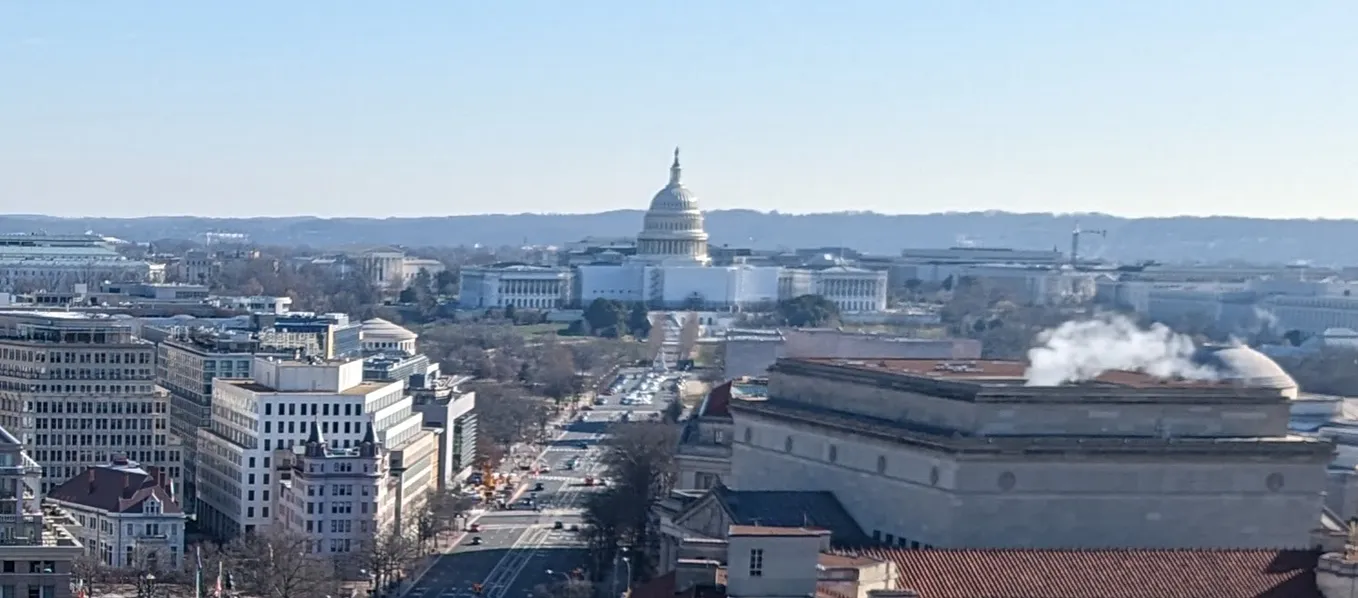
(146, 586)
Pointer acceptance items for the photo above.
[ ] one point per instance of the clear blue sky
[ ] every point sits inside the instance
(238, 108)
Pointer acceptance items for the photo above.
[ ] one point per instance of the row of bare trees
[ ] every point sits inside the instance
(639, 460)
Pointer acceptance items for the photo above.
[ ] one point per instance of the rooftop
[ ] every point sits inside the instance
(362, 388)
(116, 488)
(1104, 573)
(993, 372)
(773, 509)
(760, 530)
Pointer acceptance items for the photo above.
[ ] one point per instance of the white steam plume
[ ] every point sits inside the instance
(1080, 350)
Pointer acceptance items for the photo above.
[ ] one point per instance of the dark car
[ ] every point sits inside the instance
(582, 445)
(557, 525)
(538, 487)
(476, 540)
(575, 527)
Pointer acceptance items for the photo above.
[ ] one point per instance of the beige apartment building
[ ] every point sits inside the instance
(79, 389)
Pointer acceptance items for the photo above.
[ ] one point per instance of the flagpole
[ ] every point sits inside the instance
(198, 576)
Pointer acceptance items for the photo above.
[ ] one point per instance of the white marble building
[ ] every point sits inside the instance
(520, 285)
(671, 268)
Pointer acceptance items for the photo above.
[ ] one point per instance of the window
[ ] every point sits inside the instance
(757, 562)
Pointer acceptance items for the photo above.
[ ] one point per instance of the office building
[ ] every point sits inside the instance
(343, 497)
(329, 336)
(80, 389)
(276, 409)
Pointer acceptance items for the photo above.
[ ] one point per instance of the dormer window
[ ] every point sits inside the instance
(152, 506)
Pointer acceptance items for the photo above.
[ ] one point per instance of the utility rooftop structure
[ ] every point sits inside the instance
(985, 460)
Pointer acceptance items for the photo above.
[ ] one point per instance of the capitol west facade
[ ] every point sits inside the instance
(671, 269)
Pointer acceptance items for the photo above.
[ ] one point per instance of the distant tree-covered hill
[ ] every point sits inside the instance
(1324, 242)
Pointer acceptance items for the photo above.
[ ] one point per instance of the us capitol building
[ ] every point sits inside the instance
(670, 269)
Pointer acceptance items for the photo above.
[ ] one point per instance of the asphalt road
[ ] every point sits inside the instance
(521, 549)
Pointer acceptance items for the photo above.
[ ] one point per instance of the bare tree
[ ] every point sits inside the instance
(281, 564)
(388, 554)
(440, 513)
(640, 461)
(655, 340)
(91, 573)
(688, 336)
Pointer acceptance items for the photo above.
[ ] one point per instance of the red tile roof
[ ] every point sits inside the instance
(718, 402)
(1104, 573)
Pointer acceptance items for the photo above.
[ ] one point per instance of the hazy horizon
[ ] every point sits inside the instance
(254, 109)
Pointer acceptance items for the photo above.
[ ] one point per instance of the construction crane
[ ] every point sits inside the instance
(1075, 243)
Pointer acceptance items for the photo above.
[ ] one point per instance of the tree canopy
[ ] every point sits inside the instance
(807, 311)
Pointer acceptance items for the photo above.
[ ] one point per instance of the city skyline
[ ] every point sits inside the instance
(438, 109)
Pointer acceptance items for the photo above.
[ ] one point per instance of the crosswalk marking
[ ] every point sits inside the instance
(558, 478)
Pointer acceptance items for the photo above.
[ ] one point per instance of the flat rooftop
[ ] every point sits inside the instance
(993, 372)
(360, 389)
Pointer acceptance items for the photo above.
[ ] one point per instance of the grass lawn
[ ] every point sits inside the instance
(533, 330)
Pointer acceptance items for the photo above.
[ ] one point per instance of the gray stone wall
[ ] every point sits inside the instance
(1152, 417)
(1076, 500)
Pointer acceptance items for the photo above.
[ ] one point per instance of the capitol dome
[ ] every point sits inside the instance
(1247, 367)
(673, 225)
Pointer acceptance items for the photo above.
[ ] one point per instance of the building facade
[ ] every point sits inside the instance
(519, 285)
(32, 262)
(129, 518)
(339, 498)
(80, 389)
(986, 460)
(36, 547)
(188, 361)
(276, 409)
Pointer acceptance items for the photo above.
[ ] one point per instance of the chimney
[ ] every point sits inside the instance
(90, 475)
(127, 484)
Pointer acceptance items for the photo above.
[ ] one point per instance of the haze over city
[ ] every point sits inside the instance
(438, 108)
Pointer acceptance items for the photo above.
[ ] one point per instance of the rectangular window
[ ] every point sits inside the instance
(757, 562)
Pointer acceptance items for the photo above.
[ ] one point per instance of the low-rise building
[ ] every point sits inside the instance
(128, 515)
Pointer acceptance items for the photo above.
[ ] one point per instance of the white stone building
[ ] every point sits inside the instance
(276, 409)
(341, 498)
(671, 268)
(392, 270)
(520, 285)
(128, 515)
(984, 460)
(382, 336)
(79, 389)
(31, 262)
(851, 289)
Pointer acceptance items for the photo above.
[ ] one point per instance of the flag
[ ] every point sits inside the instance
(217, 590)
(198, 574)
